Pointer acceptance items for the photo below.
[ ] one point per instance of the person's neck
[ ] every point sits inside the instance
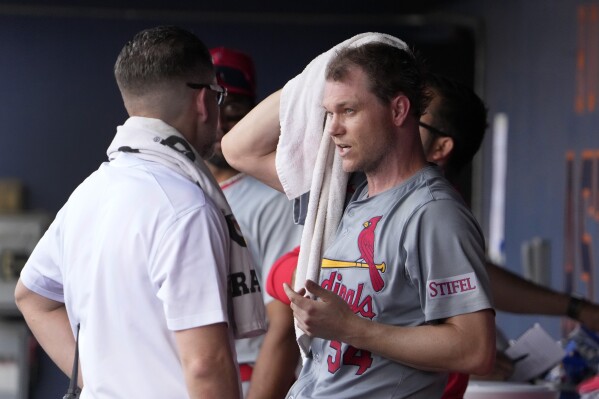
(378, 184)
(395, 170)
(221, 174)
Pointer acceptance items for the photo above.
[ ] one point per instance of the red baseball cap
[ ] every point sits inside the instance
(235, 71)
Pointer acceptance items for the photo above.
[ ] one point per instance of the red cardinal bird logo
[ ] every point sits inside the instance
(366, 247)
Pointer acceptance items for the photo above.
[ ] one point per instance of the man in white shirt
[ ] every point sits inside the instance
(139, 255)
(267, 363)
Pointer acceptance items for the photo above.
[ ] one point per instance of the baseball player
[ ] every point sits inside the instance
(447, 135)
(264, 216)
(403, 295)
(450, 100)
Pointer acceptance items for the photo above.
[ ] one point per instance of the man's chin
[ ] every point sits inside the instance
(349, 167)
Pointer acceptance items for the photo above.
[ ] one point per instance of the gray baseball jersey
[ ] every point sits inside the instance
(264, 217)
(409, 256)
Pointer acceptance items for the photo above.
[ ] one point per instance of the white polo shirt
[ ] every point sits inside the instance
(137, 252)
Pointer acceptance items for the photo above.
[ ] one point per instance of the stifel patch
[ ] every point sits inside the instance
(456, 285)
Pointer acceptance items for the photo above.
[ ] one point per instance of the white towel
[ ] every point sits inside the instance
(301, 116)
(154, 140)
(306, 160)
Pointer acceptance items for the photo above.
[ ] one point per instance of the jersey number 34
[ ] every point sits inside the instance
(352, 356)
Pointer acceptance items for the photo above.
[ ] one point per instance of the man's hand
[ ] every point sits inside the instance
(324, 317)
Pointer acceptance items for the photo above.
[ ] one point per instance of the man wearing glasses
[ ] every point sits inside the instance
(267, 364)
(221, 92)
(140, 255)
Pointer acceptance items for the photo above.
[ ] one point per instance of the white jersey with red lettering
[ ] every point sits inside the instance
(409, 256)
(264, 217)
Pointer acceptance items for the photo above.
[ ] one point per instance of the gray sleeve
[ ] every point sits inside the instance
(447, 260)
(300, 208)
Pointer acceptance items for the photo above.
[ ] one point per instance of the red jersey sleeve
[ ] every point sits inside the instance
(282, 272)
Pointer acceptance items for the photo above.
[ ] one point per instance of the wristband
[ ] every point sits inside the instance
(574, 307)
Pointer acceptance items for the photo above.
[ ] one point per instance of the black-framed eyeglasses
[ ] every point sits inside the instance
(221, 92)
(434, 129)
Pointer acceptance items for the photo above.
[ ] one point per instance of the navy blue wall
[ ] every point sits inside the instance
(61, 105)
(541, 68)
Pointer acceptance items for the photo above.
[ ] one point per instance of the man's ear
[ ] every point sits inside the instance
(400, 106)
(440, 150)
(201, 105)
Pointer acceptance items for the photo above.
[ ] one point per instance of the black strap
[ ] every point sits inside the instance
(74, 391)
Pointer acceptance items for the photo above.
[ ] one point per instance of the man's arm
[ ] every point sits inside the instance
(208, 363)
(512, 293)
(464, 343)
(515, 294)
(49, 323)
(251, 144)
(279, 355)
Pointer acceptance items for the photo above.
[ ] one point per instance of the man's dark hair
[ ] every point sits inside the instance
(390, 71)
(462, 115)
(159, 55)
